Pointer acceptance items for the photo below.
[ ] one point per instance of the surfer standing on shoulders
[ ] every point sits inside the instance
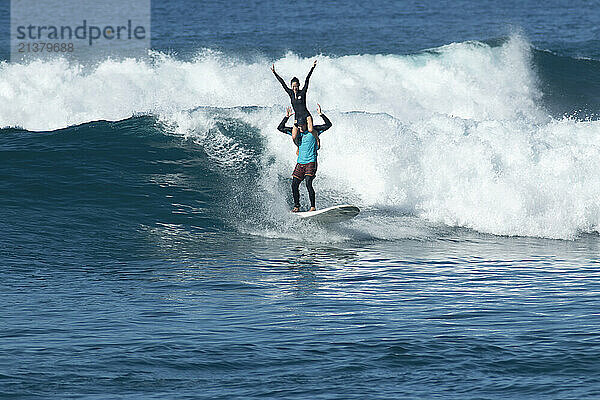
(298, 99)
(306, 165)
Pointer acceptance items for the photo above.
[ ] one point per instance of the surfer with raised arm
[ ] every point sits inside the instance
(298, 99)
(306, 164)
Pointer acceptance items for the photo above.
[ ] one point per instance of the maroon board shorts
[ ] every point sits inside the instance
(303, 170)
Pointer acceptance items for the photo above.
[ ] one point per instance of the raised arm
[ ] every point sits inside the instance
(282, 127)
(326, 125)
(308, 76)
(280, 79)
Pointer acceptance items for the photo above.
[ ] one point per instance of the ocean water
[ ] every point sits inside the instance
(147, 247)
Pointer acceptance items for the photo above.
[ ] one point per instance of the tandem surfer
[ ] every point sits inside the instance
(306, 164)
(298, 99)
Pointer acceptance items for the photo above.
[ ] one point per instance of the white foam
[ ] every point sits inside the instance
(467, 80)
(455, 135)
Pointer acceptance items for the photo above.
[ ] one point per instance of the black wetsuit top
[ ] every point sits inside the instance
(318, 128)
(298, 99)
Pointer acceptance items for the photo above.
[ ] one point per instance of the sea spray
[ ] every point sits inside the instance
(456, 136)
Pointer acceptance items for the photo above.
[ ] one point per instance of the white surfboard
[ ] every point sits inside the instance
(331, 214)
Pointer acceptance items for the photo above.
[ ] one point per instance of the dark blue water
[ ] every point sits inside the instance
(147, 247)
(347, 27)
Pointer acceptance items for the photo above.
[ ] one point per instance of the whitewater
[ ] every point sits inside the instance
(453, 136)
